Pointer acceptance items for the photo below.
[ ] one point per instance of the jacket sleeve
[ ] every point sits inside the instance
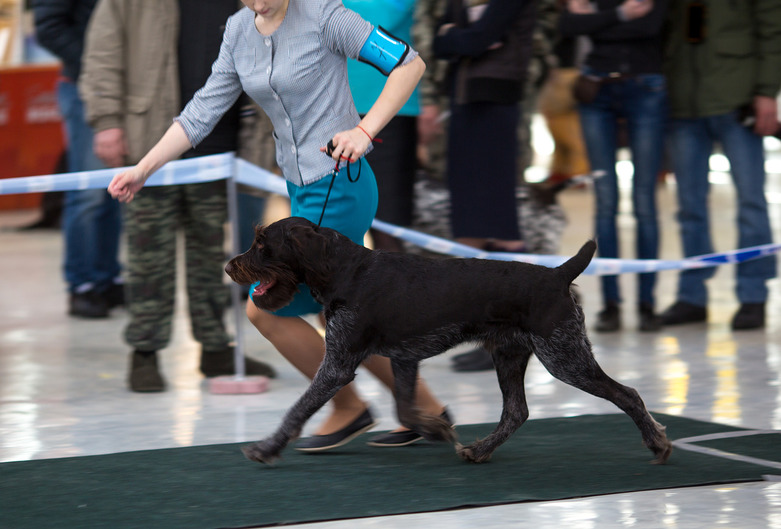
(767, 17)
(55, 31)
(101, 84)
(475, 39)
(573, 24)
(607, 26)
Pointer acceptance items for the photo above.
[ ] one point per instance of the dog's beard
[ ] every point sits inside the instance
(274, 295)
(276, 289)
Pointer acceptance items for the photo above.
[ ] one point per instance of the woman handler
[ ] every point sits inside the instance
(290, 56)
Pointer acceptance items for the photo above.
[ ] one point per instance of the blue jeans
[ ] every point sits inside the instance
(91, 218)
(642, 102)
(691, 142)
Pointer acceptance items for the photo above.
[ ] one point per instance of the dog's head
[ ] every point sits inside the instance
(283, 255)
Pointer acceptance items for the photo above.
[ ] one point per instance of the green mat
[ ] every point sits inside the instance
(215, 487)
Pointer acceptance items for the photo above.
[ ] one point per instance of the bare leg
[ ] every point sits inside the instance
(302, 346)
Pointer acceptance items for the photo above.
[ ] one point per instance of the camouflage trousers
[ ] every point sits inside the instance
(152, 221)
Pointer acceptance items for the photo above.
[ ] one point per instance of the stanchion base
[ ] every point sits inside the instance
(233, 385)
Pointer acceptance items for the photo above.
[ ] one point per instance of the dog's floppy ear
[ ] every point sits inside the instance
(311, 247)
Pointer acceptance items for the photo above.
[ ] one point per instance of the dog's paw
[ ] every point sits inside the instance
(662, 453)
(437, 429)
(259, 453)
(472, 453)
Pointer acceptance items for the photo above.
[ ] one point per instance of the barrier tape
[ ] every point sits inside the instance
(223, 166)
(187, 171)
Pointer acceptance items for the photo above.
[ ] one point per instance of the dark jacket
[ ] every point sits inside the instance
(479, 73)
(632, 47)
(60, 26)
(740, 57)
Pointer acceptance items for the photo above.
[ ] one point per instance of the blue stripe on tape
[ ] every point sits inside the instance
(222, 166)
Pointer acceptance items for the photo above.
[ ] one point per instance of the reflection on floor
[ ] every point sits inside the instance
(62, 387)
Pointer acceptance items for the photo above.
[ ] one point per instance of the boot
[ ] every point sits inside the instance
(609, 320)
(682, 312)
(221, 362)
(749, 316)
(649, 322)
(144, 374)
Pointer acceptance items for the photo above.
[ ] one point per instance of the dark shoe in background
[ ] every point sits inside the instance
(476, 360)
(682, 312)
(144, 374)
(89, 304)
(609, 319)
(221, 363)
(649, 322)
(115, 295)
(749, 316)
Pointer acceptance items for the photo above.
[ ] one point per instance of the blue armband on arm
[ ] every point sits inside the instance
(383, 51)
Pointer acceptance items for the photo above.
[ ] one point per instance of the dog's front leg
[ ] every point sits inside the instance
(332, 376)
(405, 376)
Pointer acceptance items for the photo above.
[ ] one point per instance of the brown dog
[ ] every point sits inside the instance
(409, 308)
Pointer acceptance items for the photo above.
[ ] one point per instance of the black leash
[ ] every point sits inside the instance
(329, 149)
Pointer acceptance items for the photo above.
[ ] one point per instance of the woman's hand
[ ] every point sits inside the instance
(580, 7)
(110, 147)
(632, 9)
(349, 144)
(766, 113)
(126, 184)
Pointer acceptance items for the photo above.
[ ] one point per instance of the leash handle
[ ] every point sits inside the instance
(329, 149)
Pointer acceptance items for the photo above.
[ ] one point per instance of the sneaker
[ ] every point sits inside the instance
(144, 374)
(221, 363)
(749, 316)
(403, 437)
(609, 320)
(649, 322)
(682, 312)
(87, 304)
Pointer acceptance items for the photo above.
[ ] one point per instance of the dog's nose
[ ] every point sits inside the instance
(228, 268)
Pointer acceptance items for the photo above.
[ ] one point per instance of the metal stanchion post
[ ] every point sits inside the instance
(239, 382)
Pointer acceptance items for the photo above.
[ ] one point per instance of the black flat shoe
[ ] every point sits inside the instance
(403, 438)
(320, 443)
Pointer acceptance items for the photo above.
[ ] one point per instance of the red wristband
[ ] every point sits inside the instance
(364, 131)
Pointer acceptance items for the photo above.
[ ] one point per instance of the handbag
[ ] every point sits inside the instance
(586, 88)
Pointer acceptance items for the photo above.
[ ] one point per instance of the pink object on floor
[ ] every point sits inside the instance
(232, 384)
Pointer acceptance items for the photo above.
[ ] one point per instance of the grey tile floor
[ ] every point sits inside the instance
(62, 380)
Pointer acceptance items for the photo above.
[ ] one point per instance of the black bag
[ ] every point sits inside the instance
(586, 88)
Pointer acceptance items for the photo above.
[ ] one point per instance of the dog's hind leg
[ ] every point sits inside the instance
(510, 366)
(405, 378)
(568, 357)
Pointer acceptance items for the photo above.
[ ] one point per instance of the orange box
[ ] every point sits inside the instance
(31, 136)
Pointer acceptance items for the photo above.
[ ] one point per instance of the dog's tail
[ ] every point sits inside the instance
(574, 266)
